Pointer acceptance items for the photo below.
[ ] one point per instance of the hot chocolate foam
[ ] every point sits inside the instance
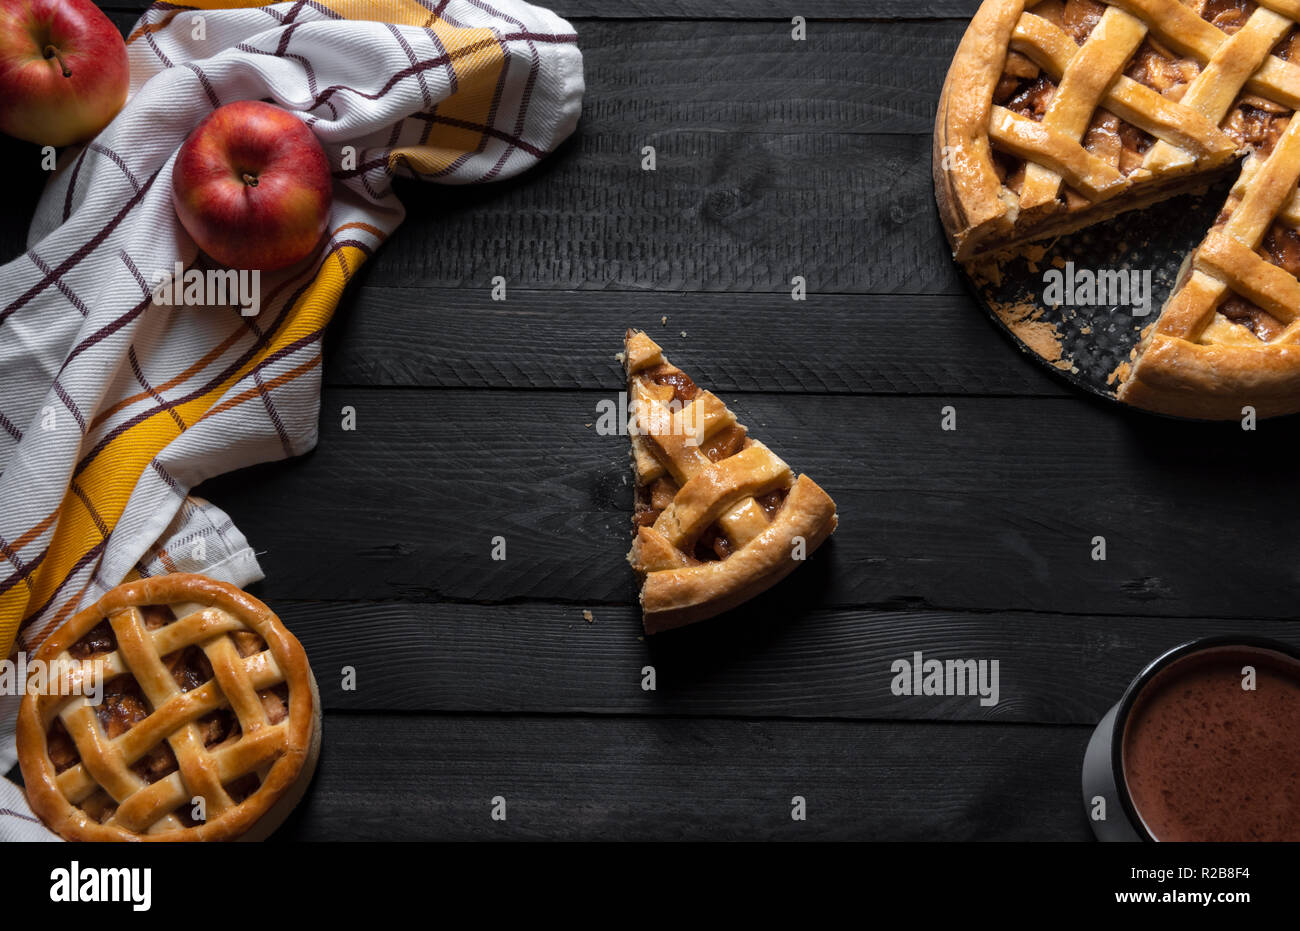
(1205, 759)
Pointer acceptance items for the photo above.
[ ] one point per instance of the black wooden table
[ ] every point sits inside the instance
(478, 679)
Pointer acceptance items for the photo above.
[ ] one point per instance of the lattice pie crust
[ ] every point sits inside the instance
(719, 517)
(205, 694)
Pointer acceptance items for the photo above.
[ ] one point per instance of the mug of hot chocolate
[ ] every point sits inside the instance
(1203, 746)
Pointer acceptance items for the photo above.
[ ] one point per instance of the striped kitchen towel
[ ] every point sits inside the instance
(111, 406)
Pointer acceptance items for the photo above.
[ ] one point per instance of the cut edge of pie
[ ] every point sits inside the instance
(1190, 100)
(717, 515)
(217, 699)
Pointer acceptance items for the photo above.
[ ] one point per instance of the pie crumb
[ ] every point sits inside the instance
(1034, 252)
(663, 321)
(683, 334)
(1025, 321)
(588, 617)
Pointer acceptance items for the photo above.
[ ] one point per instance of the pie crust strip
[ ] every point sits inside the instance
(1035, 142)
(674, 597)
(1051, 48)
(710, 493)
(1090, 71)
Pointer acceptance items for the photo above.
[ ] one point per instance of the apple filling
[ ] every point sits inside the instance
(124, 706)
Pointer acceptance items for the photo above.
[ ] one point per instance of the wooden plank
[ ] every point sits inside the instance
(721, 9)
(418, 777)
(725, 211)
(760, 663)
(997, 515)
(769, 168)
(878, 344)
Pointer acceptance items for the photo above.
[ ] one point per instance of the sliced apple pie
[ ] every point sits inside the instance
(718, 516)
(1056, 115)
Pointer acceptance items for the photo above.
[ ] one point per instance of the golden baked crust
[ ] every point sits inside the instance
(981, 214)
(973, 204)
(279, 755)
(1225, 340)
(724, 486)
(1196, 363)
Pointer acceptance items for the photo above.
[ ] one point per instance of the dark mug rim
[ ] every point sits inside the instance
(1139, 683)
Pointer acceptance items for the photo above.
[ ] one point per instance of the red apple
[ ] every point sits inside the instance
(63, 70)
(252, 186)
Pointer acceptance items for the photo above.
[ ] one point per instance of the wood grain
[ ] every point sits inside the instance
(998, 515)
(725, 211)
(423, 777)
(829, 343)
(758, 663)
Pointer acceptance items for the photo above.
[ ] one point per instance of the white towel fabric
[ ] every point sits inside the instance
(112, 408)
(17, 823)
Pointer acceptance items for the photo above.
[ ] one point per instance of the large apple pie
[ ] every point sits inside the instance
(1056, 115)
(206, 724)
(718, 517)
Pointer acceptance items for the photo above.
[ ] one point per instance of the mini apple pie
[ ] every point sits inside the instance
(208, 707)
(719, 518)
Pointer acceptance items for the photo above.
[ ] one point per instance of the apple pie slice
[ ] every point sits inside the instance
(719, 518)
